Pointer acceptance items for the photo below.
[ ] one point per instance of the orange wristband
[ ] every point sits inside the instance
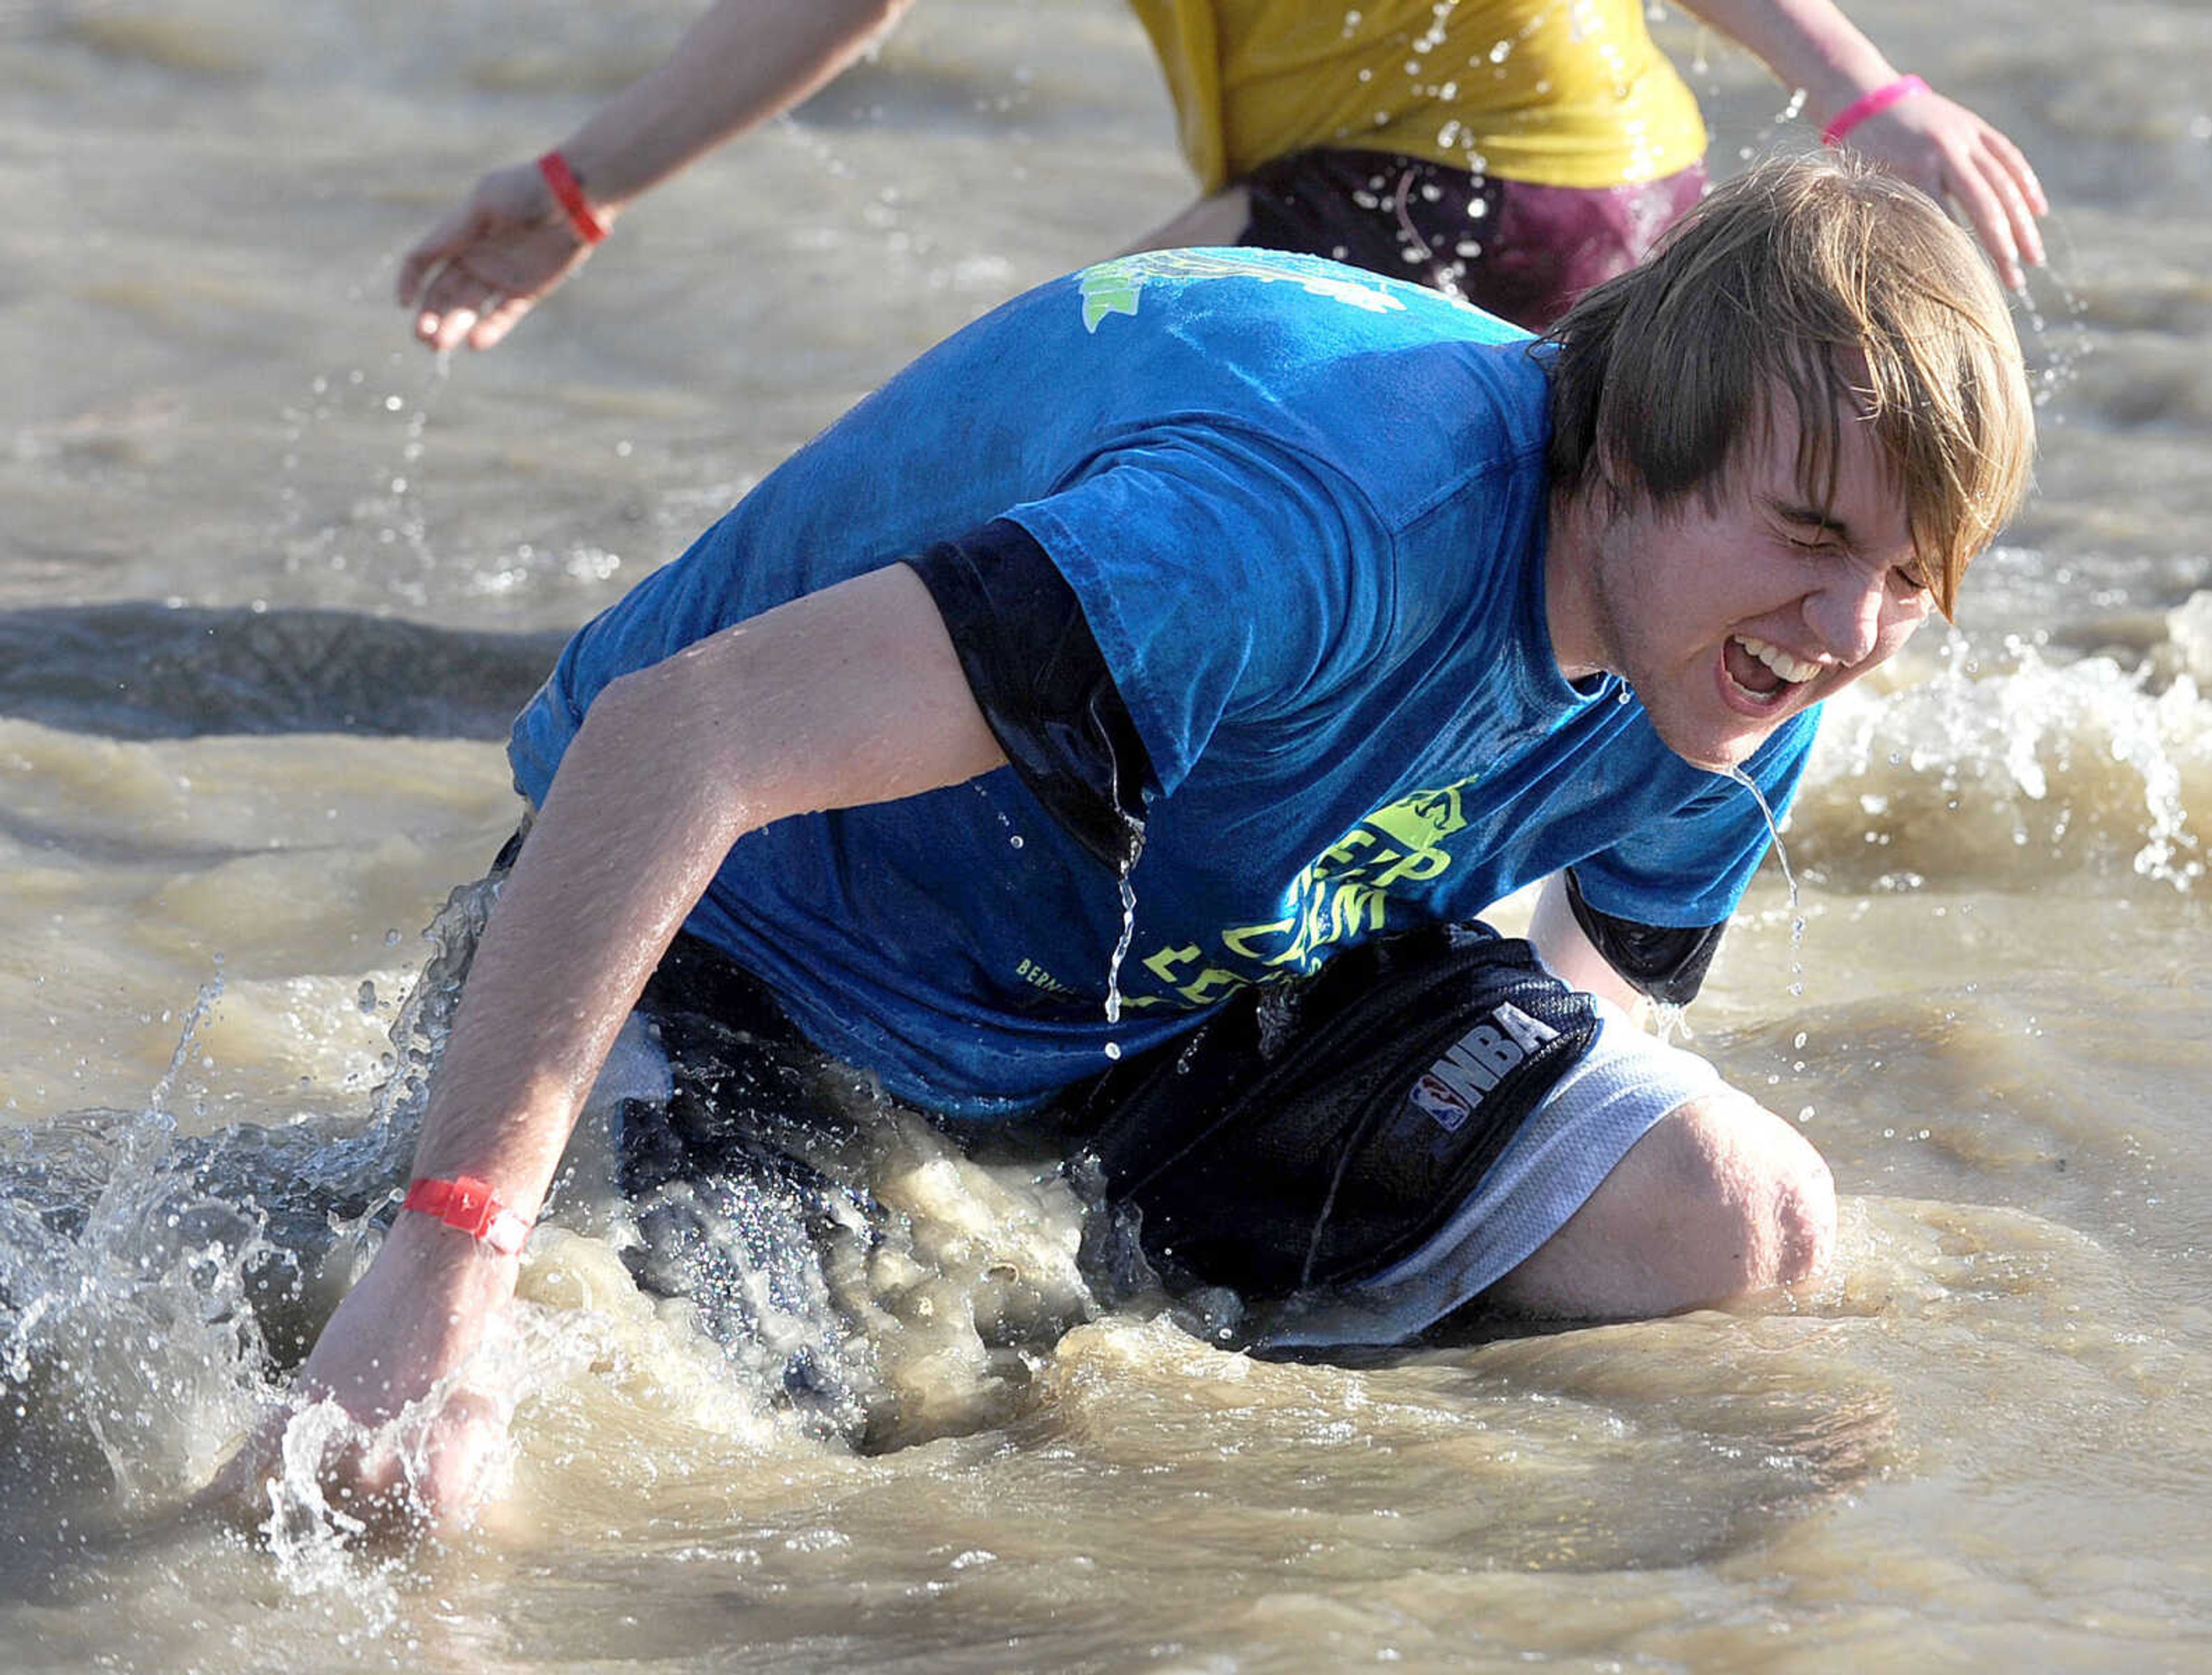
(569, 192)
(468, 1203)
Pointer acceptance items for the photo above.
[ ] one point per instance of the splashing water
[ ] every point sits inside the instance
(2069, 769)
(387, 518)
(128, 1334)
(152, 1283)
(2060, 351)
(426, 1020)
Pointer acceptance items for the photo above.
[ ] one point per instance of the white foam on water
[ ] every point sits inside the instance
(2027, 770)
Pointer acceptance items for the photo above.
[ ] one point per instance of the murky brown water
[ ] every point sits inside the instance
(224, 824)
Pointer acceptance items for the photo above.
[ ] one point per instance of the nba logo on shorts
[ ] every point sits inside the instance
(1443, 1106)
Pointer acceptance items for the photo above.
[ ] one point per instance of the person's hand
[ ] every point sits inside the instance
(484, 266)
(394, 1416)
(1948, 152)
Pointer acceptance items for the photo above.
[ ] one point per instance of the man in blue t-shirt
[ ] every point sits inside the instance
(1123, 718)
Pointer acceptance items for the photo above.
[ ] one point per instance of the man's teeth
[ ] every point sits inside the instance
(1791, 669)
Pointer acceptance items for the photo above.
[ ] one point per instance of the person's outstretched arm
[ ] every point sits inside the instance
(850, 696)
(482, 268)
(1935, 142)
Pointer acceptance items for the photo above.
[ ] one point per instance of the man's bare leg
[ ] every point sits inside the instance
(1720, 1199)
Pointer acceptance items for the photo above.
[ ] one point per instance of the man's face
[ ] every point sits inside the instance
(1728, 620)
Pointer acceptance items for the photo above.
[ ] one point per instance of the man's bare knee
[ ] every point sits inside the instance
(1719, 1200)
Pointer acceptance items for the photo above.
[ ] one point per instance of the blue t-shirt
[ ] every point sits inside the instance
(1303, 510)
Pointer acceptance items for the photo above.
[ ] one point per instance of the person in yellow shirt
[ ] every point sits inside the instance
(1512, 152)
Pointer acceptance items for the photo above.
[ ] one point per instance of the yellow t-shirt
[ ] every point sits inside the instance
(1563, 93)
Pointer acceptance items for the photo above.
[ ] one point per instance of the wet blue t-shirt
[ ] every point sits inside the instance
(1303, 510)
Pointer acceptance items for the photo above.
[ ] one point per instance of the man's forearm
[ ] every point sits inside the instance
(741, 64)
(616, 858)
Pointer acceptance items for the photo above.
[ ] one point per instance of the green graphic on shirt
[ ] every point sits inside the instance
(1342, 895)
(1107, 289)
(1112, 288)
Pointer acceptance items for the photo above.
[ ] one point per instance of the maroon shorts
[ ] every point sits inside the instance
(1524, 252)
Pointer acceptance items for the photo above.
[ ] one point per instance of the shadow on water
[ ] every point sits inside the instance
(142, 670)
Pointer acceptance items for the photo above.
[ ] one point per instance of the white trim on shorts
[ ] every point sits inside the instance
(1624, 1082)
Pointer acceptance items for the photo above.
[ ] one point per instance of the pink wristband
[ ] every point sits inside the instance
(569, 192)
(468, 1203)
(1870, 104)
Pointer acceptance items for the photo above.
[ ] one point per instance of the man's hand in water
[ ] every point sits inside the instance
(1949, 152)
(426, 1309)
(484, 266)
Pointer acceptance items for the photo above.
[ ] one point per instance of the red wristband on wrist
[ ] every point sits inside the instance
(468, 1203)
(1870, 104)
(569, 192)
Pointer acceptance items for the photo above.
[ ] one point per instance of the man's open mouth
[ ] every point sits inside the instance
(1763, 671)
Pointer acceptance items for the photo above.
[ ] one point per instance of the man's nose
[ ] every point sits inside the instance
(1845, 615)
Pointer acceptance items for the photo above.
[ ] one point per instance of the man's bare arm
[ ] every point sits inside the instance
(850, 696)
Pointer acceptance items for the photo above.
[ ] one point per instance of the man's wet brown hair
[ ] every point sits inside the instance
(1852, 291)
